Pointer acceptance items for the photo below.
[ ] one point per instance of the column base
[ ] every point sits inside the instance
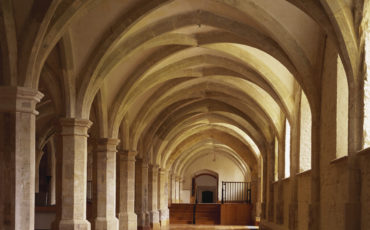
(55, 223)
(164, 215)
(127, 221)
(147, 219)
(164, 223)
(155, 226)
(143, 228)
(142, 219)
(74, 225)
(102, 223)
(154, 217)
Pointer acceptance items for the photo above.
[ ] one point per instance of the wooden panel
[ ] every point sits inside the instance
(208, 214)
(236, 214)
(181, 213)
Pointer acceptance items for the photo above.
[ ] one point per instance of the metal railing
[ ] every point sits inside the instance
(236, 192)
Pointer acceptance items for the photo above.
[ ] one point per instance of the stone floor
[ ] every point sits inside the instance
(206, 227)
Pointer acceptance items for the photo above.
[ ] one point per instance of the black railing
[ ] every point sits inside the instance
(194, 212)
(236, 192)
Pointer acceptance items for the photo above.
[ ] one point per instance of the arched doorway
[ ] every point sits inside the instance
(205, 187)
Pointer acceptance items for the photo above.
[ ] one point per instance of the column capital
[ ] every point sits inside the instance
(107, 144)
(153, 167)
(142, 162)
(75, 122)
(127, 155)
(74, 126)
(19, 99)
(163, 170)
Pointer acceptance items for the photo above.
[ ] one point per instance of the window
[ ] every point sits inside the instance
(305, 135)
(287, 149)
(366, 125)
(276, 171)
(342, 110)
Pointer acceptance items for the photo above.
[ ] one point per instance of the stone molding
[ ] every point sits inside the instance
(19, 99)
(75, 127)
(162, 171)
(127, 155)
(107, 144)
(154, 168)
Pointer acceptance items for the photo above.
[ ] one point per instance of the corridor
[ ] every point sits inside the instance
(140, 114)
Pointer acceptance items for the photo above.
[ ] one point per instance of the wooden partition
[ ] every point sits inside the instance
(211, 214)
(236, 214)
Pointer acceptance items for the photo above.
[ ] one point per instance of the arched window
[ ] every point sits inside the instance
(366, 126)
(342, 110)
(287, 150)
(305, 135)
(276, 154)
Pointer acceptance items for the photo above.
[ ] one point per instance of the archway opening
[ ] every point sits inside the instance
(205, 187)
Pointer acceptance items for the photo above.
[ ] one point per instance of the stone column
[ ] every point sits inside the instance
(264, 188)
(39, 154)
(173, 188)
(294, 166)
(52, 185)
(163, 197)
(177, 199)
(279, 212)
(127, 216)
(57, 140)
(153, 196)
(74, 174)
(254, 192)
(180, 188)
(17, 157)
(141, 193)
(270, 183)
(106, 185)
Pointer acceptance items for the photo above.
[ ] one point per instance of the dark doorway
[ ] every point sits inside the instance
(207, 197)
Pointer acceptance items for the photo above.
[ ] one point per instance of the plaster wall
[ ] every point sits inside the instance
(185, 196)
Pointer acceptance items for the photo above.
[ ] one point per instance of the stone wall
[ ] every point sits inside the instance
(304, 199)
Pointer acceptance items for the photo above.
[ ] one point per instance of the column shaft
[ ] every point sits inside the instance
(153, 196)
(127, 216)
(74, 174)
(163, 197)
(141, 194)
(173, 188)
(53, 175)
(17, 157)
(177, 196)
(57, 140)
(106, 185)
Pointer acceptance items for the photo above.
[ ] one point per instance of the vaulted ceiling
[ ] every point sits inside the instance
(174, 79)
